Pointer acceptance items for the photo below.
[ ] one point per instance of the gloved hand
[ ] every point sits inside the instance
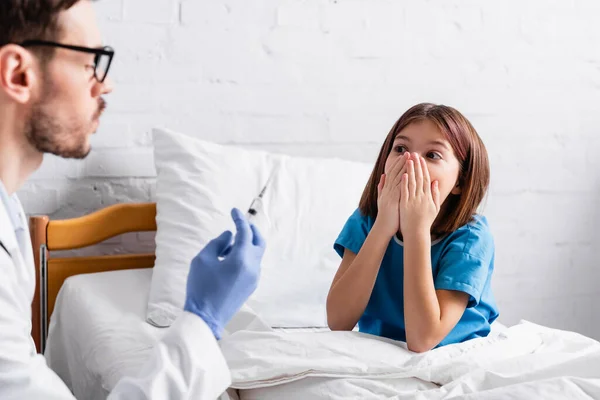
(223, 275)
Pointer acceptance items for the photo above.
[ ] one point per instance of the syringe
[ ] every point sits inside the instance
(257, 205)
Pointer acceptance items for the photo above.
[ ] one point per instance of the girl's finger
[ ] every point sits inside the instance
(418, 173)
(396, 166)
(399, 165)
(412, 183)
(380, 185)
(404, 193)
(426, 177)
(403, 171)
(436, 195)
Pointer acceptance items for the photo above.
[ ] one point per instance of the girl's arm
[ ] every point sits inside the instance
(353, 283)
(429, 315)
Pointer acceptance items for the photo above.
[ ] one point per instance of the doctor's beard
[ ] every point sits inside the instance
(68, 139)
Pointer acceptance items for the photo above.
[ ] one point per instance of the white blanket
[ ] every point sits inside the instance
(525, 361)
(98, 335)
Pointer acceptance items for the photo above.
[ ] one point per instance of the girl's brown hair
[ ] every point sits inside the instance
(474, 172)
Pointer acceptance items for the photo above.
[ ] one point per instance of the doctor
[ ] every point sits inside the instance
(53, 74)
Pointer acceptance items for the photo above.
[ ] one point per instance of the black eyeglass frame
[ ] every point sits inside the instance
(104, 51)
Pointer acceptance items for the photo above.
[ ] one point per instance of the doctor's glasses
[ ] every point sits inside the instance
(102, 56)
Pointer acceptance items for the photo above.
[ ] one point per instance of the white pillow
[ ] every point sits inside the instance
(197, 185)
(304, 208)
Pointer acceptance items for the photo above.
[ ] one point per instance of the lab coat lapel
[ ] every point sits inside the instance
(23, 263)
(24, 242)
(7, 232)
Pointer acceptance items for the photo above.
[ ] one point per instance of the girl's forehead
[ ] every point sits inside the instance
(421, 131)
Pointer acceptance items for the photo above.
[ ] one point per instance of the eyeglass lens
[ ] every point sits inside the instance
(102, 64)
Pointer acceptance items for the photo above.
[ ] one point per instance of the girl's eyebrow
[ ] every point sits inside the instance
(402, 137)
(437, 141)
(441, 143)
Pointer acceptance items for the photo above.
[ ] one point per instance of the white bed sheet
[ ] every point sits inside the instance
(525, 361)
(98, 333)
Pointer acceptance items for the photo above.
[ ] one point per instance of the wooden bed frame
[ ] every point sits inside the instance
(69, 234)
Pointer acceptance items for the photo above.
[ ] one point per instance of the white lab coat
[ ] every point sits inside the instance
(186, 363)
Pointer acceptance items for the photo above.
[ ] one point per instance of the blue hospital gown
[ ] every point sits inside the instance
(462, 261)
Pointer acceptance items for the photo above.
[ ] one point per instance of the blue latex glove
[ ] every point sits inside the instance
(223, 275)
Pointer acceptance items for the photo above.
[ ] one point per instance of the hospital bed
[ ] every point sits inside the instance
(50, 236)
(99, 334)
(99, 329)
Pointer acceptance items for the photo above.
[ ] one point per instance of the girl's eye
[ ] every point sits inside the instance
(434, 155)
(400, 149)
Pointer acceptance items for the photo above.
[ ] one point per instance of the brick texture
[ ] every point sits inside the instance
(329, 78)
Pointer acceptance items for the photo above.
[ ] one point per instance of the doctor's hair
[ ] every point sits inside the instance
(22, 20)
(474, 172)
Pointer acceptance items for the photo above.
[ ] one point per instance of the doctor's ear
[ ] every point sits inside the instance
(17, 73)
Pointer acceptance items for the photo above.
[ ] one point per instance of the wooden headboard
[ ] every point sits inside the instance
(48, 236)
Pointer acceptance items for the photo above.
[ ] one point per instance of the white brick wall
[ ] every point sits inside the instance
(328, 78)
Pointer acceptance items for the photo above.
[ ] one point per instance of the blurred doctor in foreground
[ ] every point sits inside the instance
(53, 74)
